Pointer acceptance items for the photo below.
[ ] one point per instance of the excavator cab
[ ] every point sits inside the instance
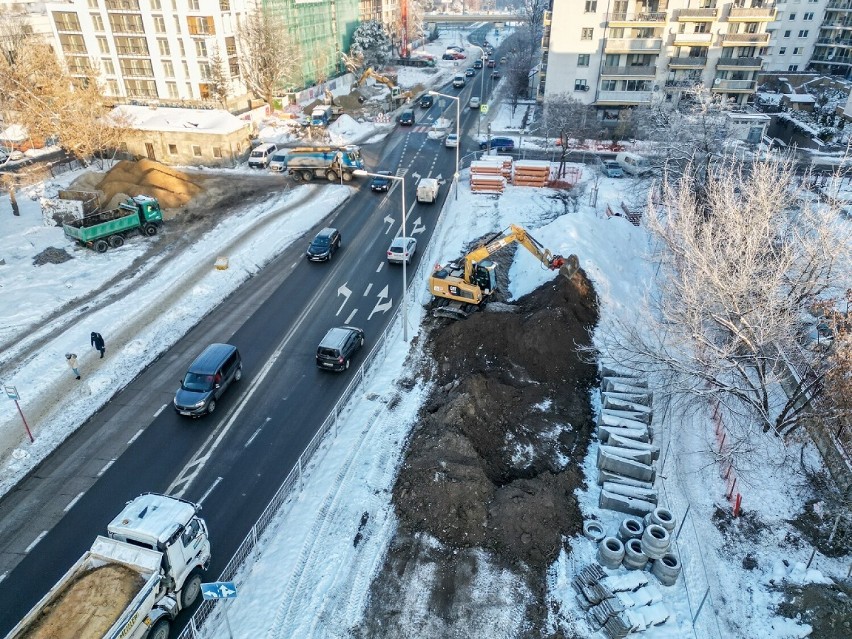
(485, 276)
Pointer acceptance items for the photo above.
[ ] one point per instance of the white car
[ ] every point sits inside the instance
(452, 140)
(474, 102)
(401, 250)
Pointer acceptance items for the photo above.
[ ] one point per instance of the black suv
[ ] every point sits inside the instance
(338, 346)
(324, 245)
(426, 101)
(381, 182)
(406, 118)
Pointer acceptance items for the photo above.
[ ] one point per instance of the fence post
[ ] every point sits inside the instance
(682, 521)
(701, 605)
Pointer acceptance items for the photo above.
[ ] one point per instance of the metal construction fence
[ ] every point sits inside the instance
(247, 551)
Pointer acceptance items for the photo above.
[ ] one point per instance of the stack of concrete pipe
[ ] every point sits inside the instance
(627, 453)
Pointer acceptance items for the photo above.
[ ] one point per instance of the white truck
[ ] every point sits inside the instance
(427, 190)
(131, 584)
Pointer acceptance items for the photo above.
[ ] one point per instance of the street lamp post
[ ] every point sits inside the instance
(483, 58)
(363, 173)
(458, 134)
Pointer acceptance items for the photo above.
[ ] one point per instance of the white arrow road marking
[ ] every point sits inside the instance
(345, 292)
(440, 179)
(390, 222)
(367, 292)
(351, 315)
(415, 175)
(381, 307)
(418, 228)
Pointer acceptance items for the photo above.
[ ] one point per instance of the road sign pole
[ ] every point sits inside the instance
(26, 426)
(228, 622)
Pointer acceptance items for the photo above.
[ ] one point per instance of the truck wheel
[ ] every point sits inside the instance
(331, 176)
(347, 177)
(161, 630)
(150, 230)
(191, 587)
(307, 176)
(115, 241)
(101, 246)
(296, 176)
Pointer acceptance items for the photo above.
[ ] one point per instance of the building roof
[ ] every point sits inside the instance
(211, 121)
(801, 98)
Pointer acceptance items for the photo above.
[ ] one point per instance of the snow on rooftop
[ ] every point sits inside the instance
(215, 121)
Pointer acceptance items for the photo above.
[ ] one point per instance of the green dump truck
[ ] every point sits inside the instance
(103, 229)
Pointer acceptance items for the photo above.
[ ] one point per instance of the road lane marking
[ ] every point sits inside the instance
(106, 467)
(381, 266)
(136, 436)
(351, 315)
(162, 408)
(73, 501)
(35, 542)
(257, 432)
(367, 292)
(209, 490)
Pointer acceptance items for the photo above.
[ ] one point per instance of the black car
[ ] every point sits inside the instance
(381, 183)
(448, 56)
(495, 74)
(406, 118)
(338, 346)
(426, 101)
(477, 64)
(324, 245)
(470, 72)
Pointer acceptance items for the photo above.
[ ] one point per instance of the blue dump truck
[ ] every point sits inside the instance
(333, 163)
(322, 116)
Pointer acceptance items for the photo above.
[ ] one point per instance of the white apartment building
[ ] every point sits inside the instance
(150, 49)
(794, 34)
(31, 16)
(619, 53)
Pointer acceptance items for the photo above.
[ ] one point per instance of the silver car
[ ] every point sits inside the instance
(401, 250)
(611, 168)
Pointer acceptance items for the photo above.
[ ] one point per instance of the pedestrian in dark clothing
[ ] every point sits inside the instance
(98, 343)
(71, 358)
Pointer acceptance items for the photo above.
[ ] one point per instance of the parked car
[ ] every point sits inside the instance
(401, 250)
(611, 168)
(324, 245)
(406, 118)
(633, 163)
(477, 64)
(499, 144)
(456, 48)
(278, 163)
(426, 101)
(207, 378)
(458, 55)
(451, 141)
(381, 183)
(261, 156)
(448, 56)
(474, 102)
(338, 346)
(470, 72)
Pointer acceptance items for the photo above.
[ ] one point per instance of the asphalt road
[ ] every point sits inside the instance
(138, 444)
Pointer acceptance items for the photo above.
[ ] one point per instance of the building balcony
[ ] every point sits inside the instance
(835, 42)
(680, 85)
(645, 19)
(73, 48)
(839, 5)
(68, 27)
(138, 73)
(132, 51)
(734, 86)
(751, 14)
(633, 45)
(624, 97)
(693, 39)
(687, 63)
(122, 5)
(837, 24)
(819, 58)
(127, 29)
(739, 39)
(739, 64)
(696, 15)
(646, 71)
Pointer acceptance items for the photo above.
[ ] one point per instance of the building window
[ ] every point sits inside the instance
(93, 4)
(608, 85)
(182, 49)
(159, 24)
(112, 87)
(173, 149)
(583, 60)
(591, 6)
(171, 88)
(196, 150)
(217, 151)
(809, 16)
(177, 24)
(803, 33)
(581, 85)
(97, 22)
(792, 16)
(168, 69)
(782, 50)
(793, 67)
(224, 5)
(156, 5)
(586, 34)
(786, 34)
(107, 66)
(163, 46)
(201, 48)
(193, 5)
(103, 44)
(797, 50)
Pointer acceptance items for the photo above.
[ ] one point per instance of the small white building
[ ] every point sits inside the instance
(748, 127)
(212, 137)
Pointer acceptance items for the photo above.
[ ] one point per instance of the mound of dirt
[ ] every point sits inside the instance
(51, 255)
(484, 465)
(173, 188)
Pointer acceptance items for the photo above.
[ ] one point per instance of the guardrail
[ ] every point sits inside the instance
(294, 480)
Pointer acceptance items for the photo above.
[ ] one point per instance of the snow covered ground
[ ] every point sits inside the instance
(310, 579)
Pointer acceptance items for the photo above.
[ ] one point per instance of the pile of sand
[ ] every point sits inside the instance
(172, 188)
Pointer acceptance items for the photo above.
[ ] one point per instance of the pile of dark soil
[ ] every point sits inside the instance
(826, 607)
(51, 255)
(486, 467)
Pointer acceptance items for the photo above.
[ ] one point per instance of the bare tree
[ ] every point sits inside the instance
(737, 271)
(568, 119)
(269, 58)
(534, 10)
(44, 99)
(220, 78)
(14, 31)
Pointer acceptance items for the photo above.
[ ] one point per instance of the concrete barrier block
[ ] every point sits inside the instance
(614, 439)
(643, 456)
(624, 504)
(627, 467)
(611, 403)
(605, 417)
(645, 494)
(625, 386)
(646, 399)
(628, 414)
(608, 475)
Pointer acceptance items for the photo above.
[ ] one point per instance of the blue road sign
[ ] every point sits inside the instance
(219, 590)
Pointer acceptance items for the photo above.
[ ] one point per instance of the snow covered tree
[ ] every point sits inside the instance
(220, 79)
(568, 119)
(534, 10)
(371, 43)
(270, 59)
(737, 271)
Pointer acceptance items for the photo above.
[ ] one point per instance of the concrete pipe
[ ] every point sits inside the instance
(610, 552)
(655, 541)
(634, 558)
(593, 530)
(630, 528)
(662, 517)
(666, 569)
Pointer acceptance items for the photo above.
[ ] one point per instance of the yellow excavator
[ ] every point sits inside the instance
(460, 290)
(397, 94)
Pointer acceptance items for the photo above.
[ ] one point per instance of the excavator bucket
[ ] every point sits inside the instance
(570, 266)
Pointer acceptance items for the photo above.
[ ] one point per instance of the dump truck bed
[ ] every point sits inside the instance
(107, 593)
(103, 224)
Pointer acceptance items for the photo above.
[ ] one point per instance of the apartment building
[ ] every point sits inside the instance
(793, 35)
(832, 54)
(620, 53)
(150, 49)
(25, 17)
